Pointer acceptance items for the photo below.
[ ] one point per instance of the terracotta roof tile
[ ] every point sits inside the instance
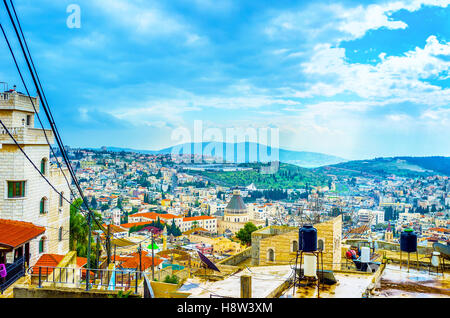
(200, 217)
(146, 262)
(16, 233)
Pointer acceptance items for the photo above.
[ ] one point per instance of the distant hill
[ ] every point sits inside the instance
(286, 177)
(246, 152)
(400, 166)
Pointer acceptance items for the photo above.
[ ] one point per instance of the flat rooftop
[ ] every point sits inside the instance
(415, 284)
(349, 285)
(265, 279)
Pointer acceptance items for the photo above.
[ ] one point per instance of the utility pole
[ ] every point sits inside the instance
(140, 259)
(153, 258)
(115, 254)
(108, 246)
(88, 270)
(98, 251)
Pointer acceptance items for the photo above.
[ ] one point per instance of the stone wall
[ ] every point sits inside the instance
(284, 245)
(53, 292)
(15, 167)
(238, 258)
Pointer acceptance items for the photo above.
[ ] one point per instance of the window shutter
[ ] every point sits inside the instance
(10, 189)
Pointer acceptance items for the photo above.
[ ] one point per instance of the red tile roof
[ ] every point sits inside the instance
(200, 217)
(16, 233)
(146, 262)
(439, 229)
(49, 261)
(81, 261)
(130, 225)
(154, 216)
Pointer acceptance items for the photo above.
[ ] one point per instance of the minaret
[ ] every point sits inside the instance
(26, 196)
(165, 239)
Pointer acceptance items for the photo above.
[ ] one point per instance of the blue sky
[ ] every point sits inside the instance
(352, 79)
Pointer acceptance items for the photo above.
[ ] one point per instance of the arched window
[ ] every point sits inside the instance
(60, 234)
(271, 255)
(41, 245)
(294, 246)
(61, 199)
(43, 206)
(44, 166)
(320, 244)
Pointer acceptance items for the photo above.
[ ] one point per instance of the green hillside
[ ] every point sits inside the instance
(399, 166)
(287, 177)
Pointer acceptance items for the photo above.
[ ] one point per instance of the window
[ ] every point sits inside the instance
(41, 245)
(44, 166)
(16, 189)
(294, 246)
(28, 120)
(271, 255)
(60, 234)
(61, 199)
(321, 244)
(43, 206)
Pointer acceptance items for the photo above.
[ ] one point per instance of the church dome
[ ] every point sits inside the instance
(236, 204)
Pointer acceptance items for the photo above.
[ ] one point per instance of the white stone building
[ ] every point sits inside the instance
(24, 194)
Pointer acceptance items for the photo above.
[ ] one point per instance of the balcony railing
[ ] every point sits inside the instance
(14, 271)
(100, 279)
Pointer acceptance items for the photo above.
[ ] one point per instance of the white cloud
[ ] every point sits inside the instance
(342, 22)
(146, 18)
(401, 77)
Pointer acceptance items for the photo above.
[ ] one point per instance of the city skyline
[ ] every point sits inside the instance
(344, 79)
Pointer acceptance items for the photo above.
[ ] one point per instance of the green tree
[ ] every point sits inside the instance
(78, 228)
(245, 234)
(171, 279)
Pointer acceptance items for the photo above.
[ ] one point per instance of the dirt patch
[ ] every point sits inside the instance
(411, 287)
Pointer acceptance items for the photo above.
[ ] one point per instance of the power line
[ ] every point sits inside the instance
(36, 168)
(39, 119)
(50, 117)
(35, 110)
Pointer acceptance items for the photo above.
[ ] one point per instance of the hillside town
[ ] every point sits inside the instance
(157, 228)
(238, 152)
(128, 187)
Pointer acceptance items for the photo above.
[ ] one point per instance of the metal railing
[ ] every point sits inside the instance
(100, 279)
(14, 271)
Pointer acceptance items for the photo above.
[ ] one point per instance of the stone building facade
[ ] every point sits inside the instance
(279, 244)
(24, 194)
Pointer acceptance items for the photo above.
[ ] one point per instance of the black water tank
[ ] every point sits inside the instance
(300, 239)
(408, 241)
(309, 238)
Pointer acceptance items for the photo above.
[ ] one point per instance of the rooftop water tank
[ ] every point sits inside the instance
(310, 264)
(435, 259)
(365, 254)
(408, 241)
(309, 238)
(300, 239)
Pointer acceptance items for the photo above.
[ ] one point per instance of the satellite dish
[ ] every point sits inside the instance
(207, 262)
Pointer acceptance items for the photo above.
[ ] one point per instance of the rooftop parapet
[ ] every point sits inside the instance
(25, 135)
(13, 100)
